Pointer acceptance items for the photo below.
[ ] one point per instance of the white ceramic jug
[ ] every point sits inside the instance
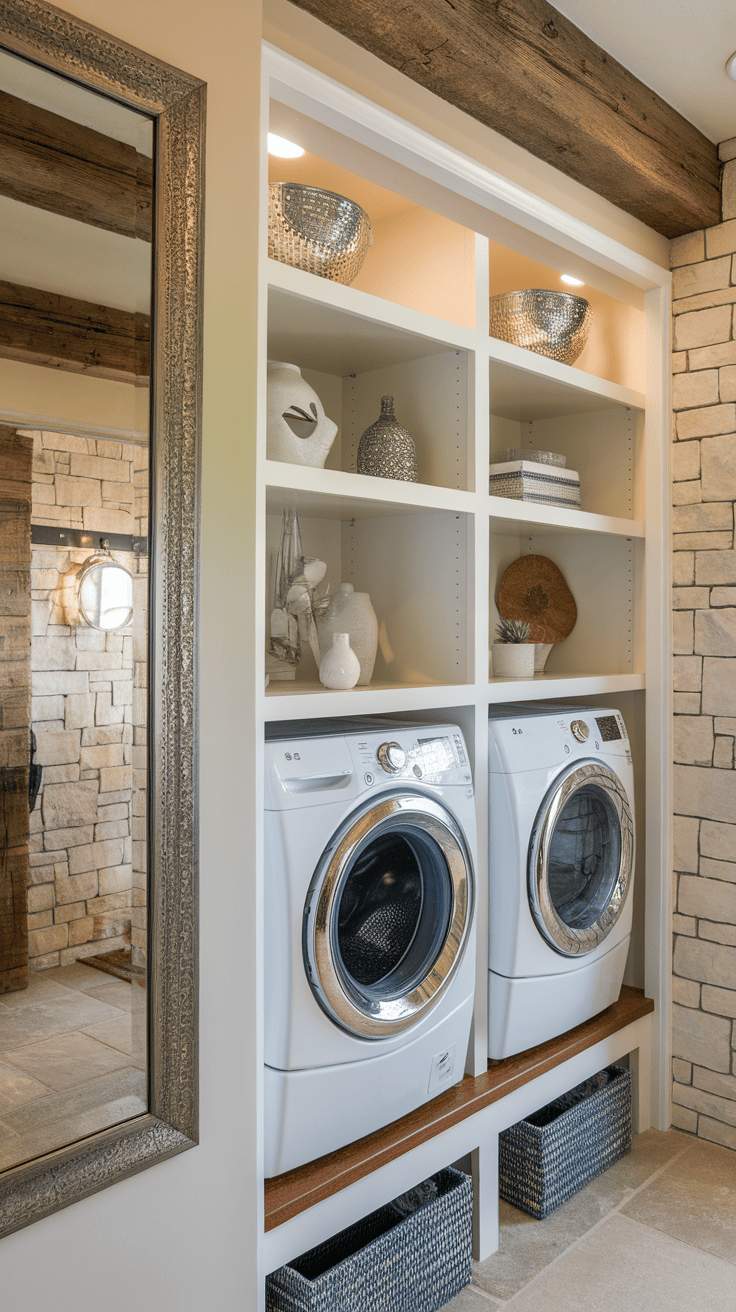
(340, 668)
(351, 612)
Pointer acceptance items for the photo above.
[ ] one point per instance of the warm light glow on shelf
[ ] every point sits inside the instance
(571, 282)
(283, 148)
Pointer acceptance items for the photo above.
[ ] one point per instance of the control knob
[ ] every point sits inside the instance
(580, 730)
(391, 757)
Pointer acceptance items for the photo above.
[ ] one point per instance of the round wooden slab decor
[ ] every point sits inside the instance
(533, 589)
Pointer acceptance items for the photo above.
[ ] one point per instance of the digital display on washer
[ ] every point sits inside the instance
(609, 728)
(436, 754)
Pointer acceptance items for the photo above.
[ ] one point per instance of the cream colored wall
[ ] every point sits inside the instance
(181, 1237)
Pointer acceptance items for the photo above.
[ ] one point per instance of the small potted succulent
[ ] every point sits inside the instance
(513, 653)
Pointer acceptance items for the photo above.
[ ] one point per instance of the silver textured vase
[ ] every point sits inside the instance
(386, 450)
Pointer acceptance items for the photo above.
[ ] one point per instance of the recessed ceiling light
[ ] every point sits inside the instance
(571, 282)
(283, 148)
(731, 66)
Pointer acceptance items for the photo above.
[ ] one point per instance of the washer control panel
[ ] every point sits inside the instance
(392, 757)
(427, 754)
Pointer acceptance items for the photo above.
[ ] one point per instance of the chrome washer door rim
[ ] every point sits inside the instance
(338, 996)
(565, 939)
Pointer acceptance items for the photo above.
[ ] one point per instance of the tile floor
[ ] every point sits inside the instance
(656, 1233)
(72, 1059)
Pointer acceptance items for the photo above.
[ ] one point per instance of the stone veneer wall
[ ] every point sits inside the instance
(87, 859)
(704, 496)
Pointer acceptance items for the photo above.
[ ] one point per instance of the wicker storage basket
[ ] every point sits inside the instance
(549, 1157)
(384, 1263)
(317, 230)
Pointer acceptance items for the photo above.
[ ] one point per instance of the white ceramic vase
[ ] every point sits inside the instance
(297, 428)
(340, 668)
(513, 660)
(351, 612)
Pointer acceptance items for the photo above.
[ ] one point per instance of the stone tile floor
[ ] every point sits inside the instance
(656, 1233)
(72, 1059)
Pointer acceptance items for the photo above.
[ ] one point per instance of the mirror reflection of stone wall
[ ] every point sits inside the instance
(75, 271)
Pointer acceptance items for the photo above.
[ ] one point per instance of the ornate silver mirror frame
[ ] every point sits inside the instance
(64, 44)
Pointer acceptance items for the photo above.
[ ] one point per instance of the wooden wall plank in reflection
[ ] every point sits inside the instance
(62, 332)
(16, 456)
(67, 168)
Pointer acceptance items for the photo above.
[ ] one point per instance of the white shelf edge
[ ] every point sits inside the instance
(549, 686)
(311, 701)
(382, 495)
(526, 514)
(518, 357)
(363, 305)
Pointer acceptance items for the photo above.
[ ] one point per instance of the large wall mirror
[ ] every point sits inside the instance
(100, 270)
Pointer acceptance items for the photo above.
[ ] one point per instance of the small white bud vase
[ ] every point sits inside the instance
(513, 660)
(298, 431)
(340, 668)
(351, 612)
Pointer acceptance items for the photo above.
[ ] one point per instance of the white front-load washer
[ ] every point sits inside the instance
(370, 854)
(561, 844)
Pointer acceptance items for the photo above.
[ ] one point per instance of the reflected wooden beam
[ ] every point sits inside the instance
(67, 168)
(521, 68)
(44, 328)
(16, 455)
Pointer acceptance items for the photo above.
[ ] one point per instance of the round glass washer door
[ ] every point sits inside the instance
(388, 914)
(581, 858)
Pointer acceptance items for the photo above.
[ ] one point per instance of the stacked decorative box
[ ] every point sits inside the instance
(525, 480)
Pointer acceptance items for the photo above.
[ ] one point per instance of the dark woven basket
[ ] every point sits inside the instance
(549, 1157)
(385, 1263)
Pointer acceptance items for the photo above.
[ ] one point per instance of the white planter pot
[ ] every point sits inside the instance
(351, 612)
(513, 660)
(340, 668)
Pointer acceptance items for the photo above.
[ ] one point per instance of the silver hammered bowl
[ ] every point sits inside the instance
(551, 323)
(317, 230)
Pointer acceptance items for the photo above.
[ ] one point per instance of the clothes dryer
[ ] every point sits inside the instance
(561, 843)
(370, 853)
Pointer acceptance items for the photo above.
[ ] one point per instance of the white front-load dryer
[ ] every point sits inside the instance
(561, 844)
(370, 854)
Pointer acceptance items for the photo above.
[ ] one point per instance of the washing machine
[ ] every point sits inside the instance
(561, 844)
(370, 855)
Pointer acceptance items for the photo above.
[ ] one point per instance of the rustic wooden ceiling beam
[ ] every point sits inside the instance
(524, 70)
(67, 168)
(40, 327)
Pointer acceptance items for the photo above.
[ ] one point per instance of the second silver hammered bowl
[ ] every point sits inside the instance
(555, 324)
(317, 230)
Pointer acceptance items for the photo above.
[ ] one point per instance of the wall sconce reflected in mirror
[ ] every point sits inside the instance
(105, 592)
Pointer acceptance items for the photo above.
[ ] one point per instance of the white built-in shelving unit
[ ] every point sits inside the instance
(431, 553)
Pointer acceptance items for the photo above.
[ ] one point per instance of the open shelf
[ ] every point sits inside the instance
(551, 686)
(337, 329)
(294, 1192)
(290, 700)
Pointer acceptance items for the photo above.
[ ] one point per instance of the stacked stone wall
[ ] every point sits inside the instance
(88, 710)
(704, 575)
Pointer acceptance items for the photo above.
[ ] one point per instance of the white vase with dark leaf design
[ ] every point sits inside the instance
(298, 432)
